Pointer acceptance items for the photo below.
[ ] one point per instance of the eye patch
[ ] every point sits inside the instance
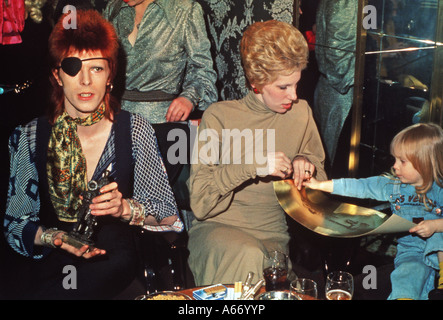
(72, 65)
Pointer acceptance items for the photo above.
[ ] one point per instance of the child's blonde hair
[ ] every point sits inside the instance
(422, 145)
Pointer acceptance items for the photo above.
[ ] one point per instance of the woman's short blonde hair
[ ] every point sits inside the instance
(272, 48)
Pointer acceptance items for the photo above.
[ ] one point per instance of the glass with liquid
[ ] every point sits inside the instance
(339, 286)
(275, 271)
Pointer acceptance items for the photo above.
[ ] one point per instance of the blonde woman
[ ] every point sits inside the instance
(231, 190)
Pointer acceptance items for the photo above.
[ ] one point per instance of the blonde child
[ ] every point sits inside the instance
(414, 190)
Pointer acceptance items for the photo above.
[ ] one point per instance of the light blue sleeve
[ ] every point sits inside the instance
(376, 188)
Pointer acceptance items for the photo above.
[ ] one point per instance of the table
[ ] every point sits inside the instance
(189, 291)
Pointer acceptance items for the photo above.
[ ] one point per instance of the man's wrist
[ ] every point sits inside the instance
(48, 236)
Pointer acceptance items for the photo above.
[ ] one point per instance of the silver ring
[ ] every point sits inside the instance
(308, 172)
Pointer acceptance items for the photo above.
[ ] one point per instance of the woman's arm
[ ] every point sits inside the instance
(199, 80)
(212, 182)
(311, 155)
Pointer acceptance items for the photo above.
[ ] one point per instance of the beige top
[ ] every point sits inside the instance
(233, 194)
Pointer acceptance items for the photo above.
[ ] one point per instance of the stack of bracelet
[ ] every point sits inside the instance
(48, 236)
(137, 213)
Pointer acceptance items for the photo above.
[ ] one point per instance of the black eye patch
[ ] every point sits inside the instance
(72, 65)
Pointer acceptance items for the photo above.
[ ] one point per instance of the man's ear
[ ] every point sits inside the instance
(55, 72)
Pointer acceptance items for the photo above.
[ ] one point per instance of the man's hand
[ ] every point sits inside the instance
(179, 110)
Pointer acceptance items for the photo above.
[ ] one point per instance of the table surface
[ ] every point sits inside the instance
(189, 291)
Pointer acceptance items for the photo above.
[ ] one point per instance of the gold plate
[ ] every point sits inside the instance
(319, 213)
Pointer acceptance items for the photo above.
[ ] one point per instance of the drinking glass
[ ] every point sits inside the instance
(275, 271)
(304, 288)
(339, 286)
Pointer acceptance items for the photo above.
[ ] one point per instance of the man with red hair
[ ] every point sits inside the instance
(57, 159)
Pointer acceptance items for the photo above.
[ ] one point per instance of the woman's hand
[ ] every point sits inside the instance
(110, 202)
(303, 170)
(277, 165)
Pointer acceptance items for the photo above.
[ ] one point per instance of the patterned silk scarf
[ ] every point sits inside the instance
(66, 166)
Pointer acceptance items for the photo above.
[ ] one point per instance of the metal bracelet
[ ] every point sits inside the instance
(48, 236)
(131, 207)
(137, 213)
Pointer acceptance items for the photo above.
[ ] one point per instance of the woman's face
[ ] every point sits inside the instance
(280, 94)
(405, 171)
(84, 92)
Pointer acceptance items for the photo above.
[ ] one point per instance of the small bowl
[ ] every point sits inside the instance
(277, 295)
(164, 295)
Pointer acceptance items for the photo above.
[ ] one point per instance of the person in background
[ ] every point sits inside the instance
(238, 217)
(52, 159)
(167, 61)
(415, 192)
(336, 34)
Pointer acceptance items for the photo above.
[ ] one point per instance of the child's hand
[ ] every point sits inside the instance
(425, 229)
(312, 183)
(326, 186)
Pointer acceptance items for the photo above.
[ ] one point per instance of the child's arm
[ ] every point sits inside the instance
(427, 228)
(326, 186)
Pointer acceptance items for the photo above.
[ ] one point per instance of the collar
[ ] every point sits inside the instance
(253, 103)
(167, 6)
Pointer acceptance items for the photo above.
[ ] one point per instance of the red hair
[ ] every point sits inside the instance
(92, 32)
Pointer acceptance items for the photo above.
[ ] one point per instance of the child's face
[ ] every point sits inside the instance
(405, 171)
